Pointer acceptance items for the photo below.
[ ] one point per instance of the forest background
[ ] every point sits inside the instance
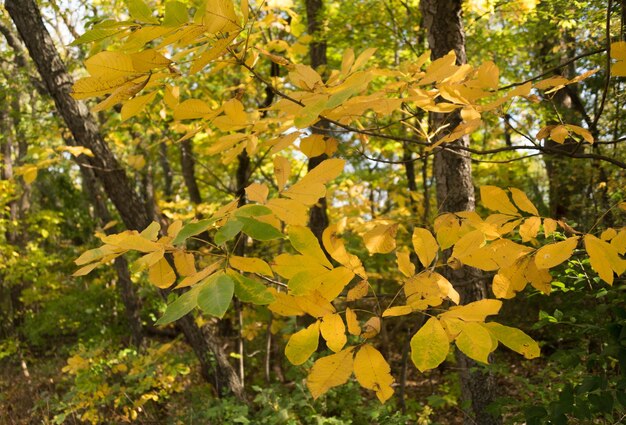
(267, 198)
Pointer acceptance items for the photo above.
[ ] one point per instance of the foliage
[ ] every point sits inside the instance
(227, 84)
(120, 385)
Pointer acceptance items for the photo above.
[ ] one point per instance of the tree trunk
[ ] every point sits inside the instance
(27, 18)
(188, 166)
(455, 192)
(318, 218)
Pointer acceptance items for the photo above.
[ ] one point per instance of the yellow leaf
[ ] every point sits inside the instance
(373, 372)
(30, 174)
(400, 310)
(85, 269)
(476, 311)
(619, 242)
(330, 371)
(337, 250)
(496, 199)
(353, 324)
(347, 61)
(498, 254)
(522, 201)
(303, 344)
(282, 170)
(218, 48)
(151, 232)
(539, 278)
(185, 263)
(313, 145)
(191, 109)
(559, 133)
(475, 341)
(284, 304)
(604, 258)
(488, 75)
(136, 161)
(447, 229)
(257, 192)
(109, 65)
(371, 328)
(404, 263)
(515, 339)
(430, 345)
(584, 133)
(198, 276)
(334, 332)
(554, 254)
(161, 274)
(429, 289)
(311, 187)
(305, 242)
(381, 239)
(468, 244)
(121, 94)
(425, 246)
(133, 241)
(96, 254)
(288, 265)
(549, 226)
(289, 211)
(219, 16)
(358, 291)
(510, 280)
(529, 229)
(608, 234)
(250, 265)
(314, 304)
(334, 281)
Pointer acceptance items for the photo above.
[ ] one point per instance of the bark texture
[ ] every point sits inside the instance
(58, 82)
(455, 192)
(318, 218)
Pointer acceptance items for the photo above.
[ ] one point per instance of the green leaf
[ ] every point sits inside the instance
(309, 114)
(214, 297)
(515, 339)
(181, 306)
(192, 229)
(95, 34)
(252, 210)
(251, 291)
(430, 345)
(141, 12)
(228, 231)
(175, 14)
(259, 230)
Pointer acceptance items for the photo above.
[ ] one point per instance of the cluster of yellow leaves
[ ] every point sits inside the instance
(465, 325)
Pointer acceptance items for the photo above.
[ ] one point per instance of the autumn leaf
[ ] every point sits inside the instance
(429, 345)
(333, 331)
(330, 371)
(425, 246)
(552, 255)
(373, 372)
(303, 344)
(496, 199)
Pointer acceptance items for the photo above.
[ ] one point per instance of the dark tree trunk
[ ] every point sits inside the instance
(188, 166)
(167, 172)
(318, 218)
(455, 192)
(58, 82)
